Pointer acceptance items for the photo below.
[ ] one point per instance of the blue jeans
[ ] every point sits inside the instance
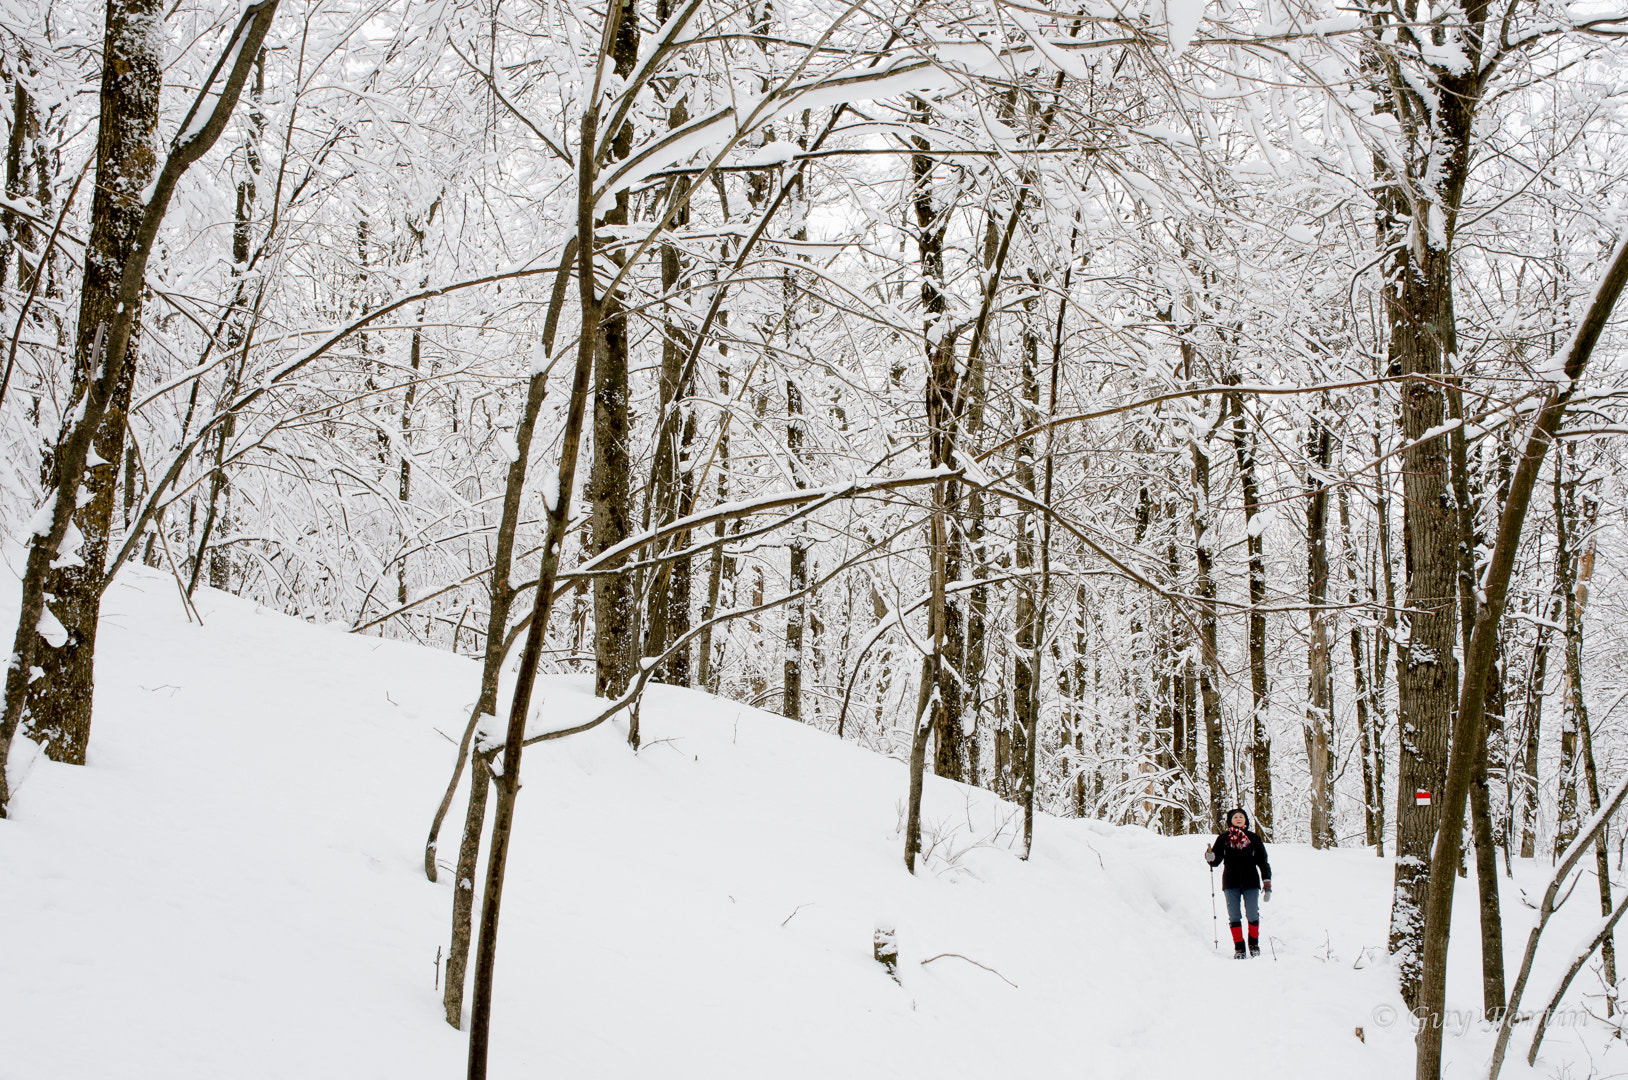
(1251, 899)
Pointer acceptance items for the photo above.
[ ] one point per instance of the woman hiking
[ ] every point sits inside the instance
(1245, 875)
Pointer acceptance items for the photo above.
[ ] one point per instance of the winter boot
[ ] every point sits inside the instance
(1254, 939)
(1238, 943)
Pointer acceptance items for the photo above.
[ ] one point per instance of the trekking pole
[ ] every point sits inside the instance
(1215, 920)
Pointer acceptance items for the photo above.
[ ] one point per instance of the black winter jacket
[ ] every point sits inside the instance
(1245, 867)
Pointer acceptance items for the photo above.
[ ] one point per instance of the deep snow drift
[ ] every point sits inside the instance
(233, 889)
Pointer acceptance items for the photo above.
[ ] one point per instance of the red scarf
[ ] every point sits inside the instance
(1237, 837)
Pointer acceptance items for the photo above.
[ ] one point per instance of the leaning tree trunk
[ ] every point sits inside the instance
(220, 490)
(501, 594)
(1567, 370)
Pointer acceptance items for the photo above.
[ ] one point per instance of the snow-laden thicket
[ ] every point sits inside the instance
(1110, 408)
(1186, 220)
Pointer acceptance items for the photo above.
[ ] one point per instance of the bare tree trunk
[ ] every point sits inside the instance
(1027, 633)
(1427, 683)
(1486, 863)
(404, 491)
(22, 111)
(609, 480)
(1030, 629)
(1085, 794)
(1387, 634)
(1566, 807)
(940, 699)
(1204, 589)
(1532, 723)
(977, 618)
(1486, 877)
(672, 490)
(58, 703)
(1320, 698)
(672, 487)
(944, 413)
(501, 594)
(797, 612)
(415, 360)
(220, 562)
(125, 219)
(706, 676)
(592, 346)
(1243, 443)
(791, 698)
(1574, 525)
(1043, 595)
(1368, 744)
(463, 882)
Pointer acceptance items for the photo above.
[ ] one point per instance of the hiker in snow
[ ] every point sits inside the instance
(1246, 875)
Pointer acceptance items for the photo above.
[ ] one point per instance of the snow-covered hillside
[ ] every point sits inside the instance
(232, 889)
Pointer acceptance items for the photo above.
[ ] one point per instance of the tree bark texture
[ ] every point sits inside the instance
(609, 490)
(1427, 683)
(59, 700)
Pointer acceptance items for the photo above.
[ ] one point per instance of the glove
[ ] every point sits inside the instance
(1209, 856)
(1266, 892)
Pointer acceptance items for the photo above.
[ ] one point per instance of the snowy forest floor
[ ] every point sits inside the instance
(233, 888)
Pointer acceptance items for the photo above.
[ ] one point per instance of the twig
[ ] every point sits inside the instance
(794, 911)
(974, 963)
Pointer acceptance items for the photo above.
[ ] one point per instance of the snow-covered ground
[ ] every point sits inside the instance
(233, 889)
